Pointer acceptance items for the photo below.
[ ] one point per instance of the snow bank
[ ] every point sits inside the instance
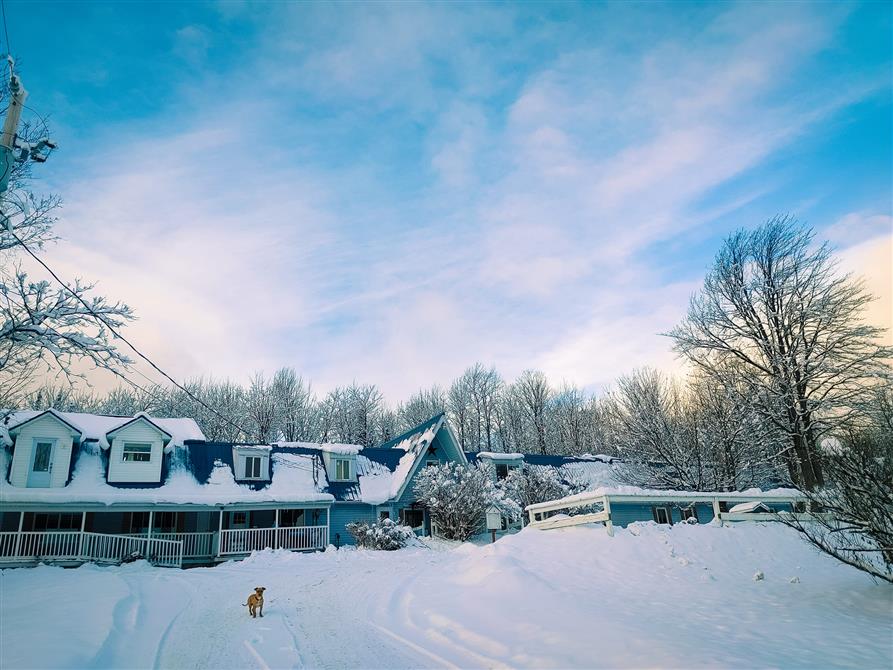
(651, 596)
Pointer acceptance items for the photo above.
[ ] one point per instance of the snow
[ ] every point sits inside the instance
(635, 491)
(95, 427)
(292, 482)
(752, 506)
(499, 456)
(570, 597)
(376, 481)
(328, 447)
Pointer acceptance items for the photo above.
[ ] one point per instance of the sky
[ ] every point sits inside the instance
(387, 193)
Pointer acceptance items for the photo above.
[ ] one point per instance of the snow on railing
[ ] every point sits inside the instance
(246, 540)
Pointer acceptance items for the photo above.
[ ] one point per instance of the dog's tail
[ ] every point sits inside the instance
(244, 604)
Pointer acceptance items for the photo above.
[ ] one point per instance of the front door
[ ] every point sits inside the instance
(41, 463)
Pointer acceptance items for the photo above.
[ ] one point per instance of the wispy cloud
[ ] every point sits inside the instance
(388, 193)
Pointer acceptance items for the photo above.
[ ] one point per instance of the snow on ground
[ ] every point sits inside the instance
(651, 596)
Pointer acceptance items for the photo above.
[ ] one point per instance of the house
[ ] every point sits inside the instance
(83, 487)
(624, 505)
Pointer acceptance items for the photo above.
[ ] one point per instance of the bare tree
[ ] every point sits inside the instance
(533, 391)
(776, 310)
(421, 407)
(853, 513)
(294, 400)
(42, 327)
(262, 413)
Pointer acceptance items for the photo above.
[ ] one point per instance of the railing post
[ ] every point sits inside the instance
(608, 523)
(81, 539)
(19, 536)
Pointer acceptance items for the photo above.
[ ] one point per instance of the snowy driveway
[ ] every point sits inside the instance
(680, 597)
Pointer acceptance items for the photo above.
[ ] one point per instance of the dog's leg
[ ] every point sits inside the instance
(261, 610)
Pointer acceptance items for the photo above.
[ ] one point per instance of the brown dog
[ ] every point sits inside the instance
(256, 602)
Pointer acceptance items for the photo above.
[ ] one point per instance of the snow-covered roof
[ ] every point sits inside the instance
(294, 479)
(328, 447)
(498, 456)
(635, 492)
(752, 506)
(96, 427)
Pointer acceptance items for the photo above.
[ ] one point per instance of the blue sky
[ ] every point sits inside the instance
(389, 192)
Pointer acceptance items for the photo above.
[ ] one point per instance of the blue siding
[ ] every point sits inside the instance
(341, 514)
(625, 513)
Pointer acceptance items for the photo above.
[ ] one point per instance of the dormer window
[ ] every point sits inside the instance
(137, 451)
(342, 468)
(252, 467)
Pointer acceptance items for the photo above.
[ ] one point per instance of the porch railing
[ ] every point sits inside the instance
(195, 545)
(84, 546)
(244, 541)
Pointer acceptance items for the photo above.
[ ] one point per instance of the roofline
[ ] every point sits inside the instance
(411, 431)
(53, 413)
(141, 417)
(581, 499)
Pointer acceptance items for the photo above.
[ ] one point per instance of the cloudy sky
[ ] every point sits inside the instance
(388, 193)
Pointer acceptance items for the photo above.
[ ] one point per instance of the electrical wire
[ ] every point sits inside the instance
(5, 31)
(112, 329)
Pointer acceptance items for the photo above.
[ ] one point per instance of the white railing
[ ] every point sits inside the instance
(244, 541)
(83, 546)
(195, 545)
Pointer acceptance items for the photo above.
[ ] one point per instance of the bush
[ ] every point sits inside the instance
(457, 497)
(385, 534)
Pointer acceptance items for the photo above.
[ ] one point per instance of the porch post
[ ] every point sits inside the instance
(276, 531)
(19, 536)
(151, 523)
(81, 541)
(716, 513)
(220, 532)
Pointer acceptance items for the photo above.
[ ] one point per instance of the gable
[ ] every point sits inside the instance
(45, 418)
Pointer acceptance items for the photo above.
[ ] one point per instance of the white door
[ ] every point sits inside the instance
(41, 463)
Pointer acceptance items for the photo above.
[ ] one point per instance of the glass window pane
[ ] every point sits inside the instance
(42, 456)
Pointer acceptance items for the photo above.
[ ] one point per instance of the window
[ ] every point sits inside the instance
(252, 467)
(431, 463)
(290, 518)
(42, 456)
(502, 471)
(137, 451)
(690, 513)
(662, 515)
(65, 521)
(414, 518)
(240, 518)
(384, 514)
(342, 468)
(137, 523)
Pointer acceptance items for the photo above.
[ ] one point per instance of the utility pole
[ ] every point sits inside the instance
(13, 149)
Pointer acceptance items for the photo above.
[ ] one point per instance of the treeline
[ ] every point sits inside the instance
(780, 361)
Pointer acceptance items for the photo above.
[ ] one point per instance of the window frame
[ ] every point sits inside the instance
(125, 452)
(690, 512)
(655, 513)
(259, 462)
(342, 463)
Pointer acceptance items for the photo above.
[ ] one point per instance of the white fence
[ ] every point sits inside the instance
(26, 546)
(244, 541)
(195, 545)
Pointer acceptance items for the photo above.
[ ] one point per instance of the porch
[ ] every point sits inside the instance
(166, 538)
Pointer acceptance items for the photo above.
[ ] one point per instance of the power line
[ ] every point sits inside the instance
(124, 339)
(5, 31)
